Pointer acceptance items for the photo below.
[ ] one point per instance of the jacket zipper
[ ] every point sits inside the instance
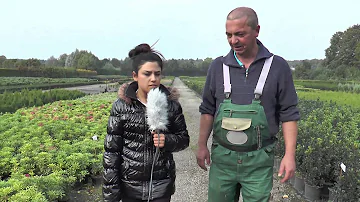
(146, 156)
(146, 149)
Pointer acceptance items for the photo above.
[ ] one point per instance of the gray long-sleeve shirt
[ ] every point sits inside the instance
(279, 97)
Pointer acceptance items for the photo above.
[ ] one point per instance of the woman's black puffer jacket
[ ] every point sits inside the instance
(129, 148)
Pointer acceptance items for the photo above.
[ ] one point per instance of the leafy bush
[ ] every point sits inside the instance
(29, 98)
(52, 72)
(349, 87)
(347, 187)
(50, 148)
(328, 136)
(28, 81)
(195, 83)
(340, 98)
(12, 84)
(317, 84)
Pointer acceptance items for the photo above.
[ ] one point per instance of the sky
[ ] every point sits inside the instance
(295, 30)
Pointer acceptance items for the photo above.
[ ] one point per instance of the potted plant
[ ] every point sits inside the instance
(299, 183)
(312, 176)
(347, 187)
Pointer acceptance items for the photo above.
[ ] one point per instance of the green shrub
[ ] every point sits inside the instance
(50, 148)
(29, 98)
(52, 72)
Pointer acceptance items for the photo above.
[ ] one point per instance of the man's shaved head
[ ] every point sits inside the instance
(240, 12)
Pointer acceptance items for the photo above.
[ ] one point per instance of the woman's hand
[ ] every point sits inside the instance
(158, 143)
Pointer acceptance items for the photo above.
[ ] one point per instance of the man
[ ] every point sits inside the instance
(244, 110)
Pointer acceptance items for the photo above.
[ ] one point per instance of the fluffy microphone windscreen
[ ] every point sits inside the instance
(156, 110)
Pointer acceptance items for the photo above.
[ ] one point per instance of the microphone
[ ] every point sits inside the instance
(157, 119)
(156, 110)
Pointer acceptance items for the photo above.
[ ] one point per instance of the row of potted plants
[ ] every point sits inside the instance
(327, 155)
(52, 148)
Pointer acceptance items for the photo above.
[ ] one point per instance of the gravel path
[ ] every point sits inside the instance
(191, 181)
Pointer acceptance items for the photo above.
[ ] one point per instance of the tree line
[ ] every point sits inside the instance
(342, 62)
(342, 59)
(84, 60)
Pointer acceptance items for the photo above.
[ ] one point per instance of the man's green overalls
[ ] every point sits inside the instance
(242, 150)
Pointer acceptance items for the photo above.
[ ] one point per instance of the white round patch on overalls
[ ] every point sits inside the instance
(237, 137)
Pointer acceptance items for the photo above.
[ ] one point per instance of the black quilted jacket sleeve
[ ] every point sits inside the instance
(178, 138)
(112, 156)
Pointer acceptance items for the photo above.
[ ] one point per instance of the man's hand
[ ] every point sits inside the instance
(203, 155)
(288, 165)
(158, 143)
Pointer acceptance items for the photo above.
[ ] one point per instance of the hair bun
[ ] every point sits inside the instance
(142, 48)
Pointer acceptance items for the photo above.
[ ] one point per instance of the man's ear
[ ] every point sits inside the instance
(257, 30)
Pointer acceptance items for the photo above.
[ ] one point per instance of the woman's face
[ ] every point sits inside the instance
(148, 76)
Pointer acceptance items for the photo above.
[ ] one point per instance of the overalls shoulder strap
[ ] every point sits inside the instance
(262, 79)
(227, 84)
(260, 84)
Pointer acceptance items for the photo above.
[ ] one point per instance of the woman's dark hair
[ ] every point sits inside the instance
(143, 53)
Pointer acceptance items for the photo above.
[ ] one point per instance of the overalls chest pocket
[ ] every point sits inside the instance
(239, 126)
(236, 128)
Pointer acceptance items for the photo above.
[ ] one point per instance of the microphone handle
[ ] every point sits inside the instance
(155, 159)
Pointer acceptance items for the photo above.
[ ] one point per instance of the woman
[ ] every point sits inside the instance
(129, 144)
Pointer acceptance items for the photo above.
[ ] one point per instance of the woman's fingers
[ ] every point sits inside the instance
(159, 142)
